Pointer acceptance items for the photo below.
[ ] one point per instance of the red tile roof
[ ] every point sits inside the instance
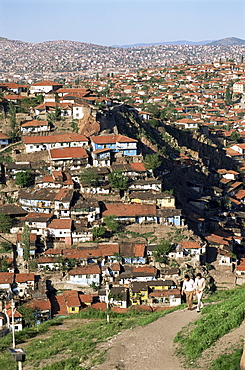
(35, 123)
(6, 277)
(139, 250)
(66, 153)
(138, 167)
(190, 245)
(71, 298)
(85, 270)
(129, 210)
(62, 138)
(23, 277)
(62, 223)
(40, 304)
(46, 83)
(3, 136)
(110, 139)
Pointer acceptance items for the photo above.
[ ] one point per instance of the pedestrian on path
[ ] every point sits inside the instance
(199, 287)
(188, 288)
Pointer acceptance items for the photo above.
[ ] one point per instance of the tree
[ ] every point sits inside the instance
(98, 231)
(4, 265)
(12, 119)
(26, 242)
(89, 177)
(118, 180)
(154, 110)
(5, 247)
(28, 314)
(161, 251)
(152, 161)
(228, 95)
(235, 136)
(23, 178)
(111, 223)
(57, 112)
(74, 125)
(5, 223)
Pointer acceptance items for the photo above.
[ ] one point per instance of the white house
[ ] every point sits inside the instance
(60, 229)
(85, 275)
(39, 143)
(44, 87)
(34, 126)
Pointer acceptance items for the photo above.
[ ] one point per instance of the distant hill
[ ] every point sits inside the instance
(179, 42)
(228, 41)
(3, 39)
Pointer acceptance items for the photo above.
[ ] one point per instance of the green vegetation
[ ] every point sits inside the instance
(111, 223)
(28, 315)
(118, 180)
(74, 125)
(217, 320)
(5, 223)
(4, 265)
(229, 361)
(89, 177)
(23, 178)
(26, 242)
(12, 119)
(74, 347)
(98, 231)
(161, 251)
(152, 161)
(5, 247)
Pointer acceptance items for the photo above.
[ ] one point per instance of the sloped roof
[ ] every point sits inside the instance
(62, 138)
(129, 210)
(67, 153)
(85, 270)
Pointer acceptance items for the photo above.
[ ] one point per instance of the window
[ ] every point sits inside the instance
(73, 308)
(94, 276)
(87, 276)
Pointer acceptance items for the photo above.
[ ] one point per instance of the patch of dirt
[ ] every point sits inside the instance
(147, 348)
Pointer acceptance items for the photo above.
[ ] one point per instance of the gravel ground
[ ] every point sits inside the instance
(147, 348)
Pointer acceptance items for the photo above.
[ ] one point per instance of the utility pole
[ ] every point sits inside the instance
(13, 329)
(107, 289)
(17, 353)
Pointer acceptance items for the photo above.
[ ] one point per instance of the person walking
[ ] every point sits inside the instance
(188, 288)
(199, 287)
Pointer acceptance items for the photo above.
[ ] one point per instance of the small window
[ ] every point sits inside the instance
(73, 309)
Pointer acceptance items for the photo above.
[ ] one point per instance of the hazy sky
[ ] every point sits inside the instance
(110, 22)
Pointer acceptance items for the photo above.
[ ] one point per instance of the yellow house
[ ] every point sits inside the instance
(72, 301)
(162, 285)
(162, 200)
(138, 293)
(166, 201)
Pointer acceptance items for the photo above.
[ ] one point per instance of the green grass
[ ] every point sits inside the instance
(75, 347)
(217, 320)
(229, 361)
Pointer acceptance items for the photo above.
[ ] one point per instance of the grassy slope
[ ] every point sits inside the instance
(72, 342)
(217, 320)
(64, 348)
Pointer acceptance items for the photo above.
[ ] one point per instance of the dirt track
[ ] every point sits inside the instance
(147, 348)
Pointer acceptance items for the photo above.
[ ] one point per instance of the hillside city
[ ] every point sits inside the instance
(116, 185)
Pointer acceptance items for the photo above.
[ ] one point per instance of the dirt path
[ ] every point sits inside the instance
(147, 348)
